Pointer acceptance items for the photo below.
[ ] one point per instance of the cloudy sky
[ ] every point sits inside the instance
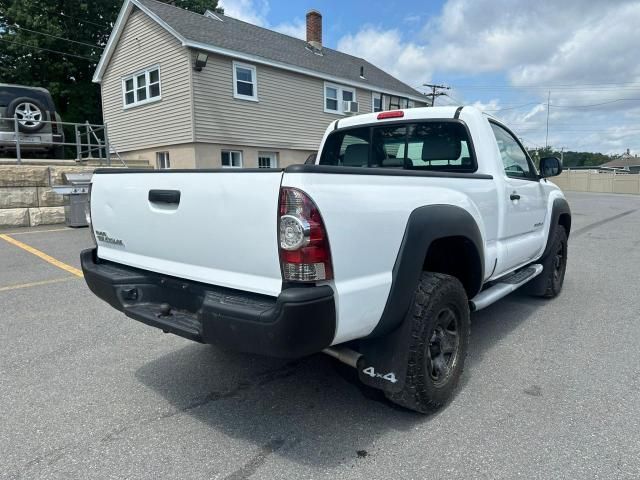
(504, 56)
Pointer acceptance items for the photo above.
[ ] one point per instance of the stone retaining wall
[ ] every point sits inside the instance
(26, 196)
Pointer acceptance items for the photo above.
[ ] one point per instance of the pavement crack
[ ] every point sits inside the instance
(256, 461)
(593, 225)
(48, 458)
(264, 378)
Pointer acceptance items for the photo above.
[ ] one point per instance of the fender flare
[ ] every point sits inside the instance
(560, 206)
(425, 225)
(385, 349)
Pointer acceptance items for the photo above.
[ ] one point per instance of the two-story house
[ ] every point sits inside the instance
(185, 90)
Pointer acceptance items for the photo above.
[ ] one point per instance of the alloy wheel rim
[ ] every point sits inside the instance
(442, 351)
(558, 262)
(29, 115)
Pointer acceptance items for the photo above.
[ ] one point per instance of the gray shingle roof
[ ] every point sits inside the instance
(243, 37)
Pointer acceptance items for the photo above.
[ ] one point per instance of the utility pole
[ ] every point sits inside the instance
(435, 91)
(562, 155)
(546, 140)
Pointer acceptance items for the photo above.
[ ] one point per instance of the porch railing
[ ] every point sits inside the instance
(90, 141)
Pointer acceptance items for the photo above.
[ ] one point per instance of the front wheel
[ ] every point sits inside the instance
(439, 342)
(549, 283)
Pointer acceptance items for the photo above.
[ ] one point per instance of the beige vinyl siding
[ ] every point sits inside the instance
(168, 121)
(289, 113)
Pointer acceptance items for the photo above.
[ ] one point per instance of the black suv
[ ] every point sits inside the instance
(33, 106)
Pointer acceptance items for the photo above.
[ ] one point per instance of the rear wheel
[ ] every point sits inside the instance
(549, 283)
(29, 112)
(439, 342)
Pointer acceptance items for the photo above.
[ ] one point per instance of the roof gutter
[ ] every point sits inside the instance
(292, 68)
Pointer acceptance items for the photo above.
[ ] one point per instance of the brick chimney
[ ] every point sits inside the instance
(314, 29)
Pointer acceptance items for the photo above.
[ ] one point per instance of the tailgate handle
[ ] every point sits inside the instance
(164, 196)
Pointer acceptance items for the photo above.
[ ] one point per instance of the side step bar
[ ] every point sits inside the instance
(504, 287)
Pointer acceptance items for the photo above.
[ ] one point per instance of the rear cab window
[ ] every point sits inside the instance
(427, 145)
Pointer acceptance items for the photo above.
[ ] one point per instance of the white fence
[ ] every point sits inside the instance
(595, 181)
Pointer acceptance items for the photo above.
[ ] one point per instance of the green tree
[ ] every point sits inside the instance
(571, 158)
(56, 44)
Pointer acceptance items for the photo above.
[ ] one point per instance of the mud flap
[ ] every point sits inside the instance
(384, 360)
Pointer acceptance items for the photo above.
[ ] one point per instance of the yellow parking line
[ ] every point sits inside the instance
(40, 231)
(36, 284)
(42, 255)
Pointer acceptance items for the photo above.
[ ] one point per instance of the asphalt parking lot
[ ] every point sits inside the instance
(551, 388)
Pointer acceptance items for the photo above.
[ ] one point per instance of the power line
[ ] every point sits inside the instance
(565, 106)
(58, 38)
(103, 25)
(434, 91)
(49, 50)
(597, 104)
(459, 102)
(516, 106)
(634, 84)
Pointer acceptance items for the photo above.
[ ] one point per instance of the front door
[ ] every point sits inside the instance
(525, 201)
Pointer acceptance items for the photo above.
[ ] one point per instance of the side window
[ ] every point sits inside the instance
(348, 148)
(514, 159)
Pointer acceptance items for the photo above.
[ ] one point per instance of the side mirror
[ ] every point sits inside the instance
(550, 167)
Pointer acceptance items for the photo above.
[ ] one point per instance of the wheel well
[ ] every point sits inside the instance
(565, 221)
(456, 256)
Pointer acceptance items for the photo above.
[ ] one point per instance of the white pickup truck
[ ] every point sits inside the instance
(376, 254)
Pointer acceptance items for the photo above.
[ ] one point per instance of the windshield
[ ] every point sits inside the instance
(439, 145)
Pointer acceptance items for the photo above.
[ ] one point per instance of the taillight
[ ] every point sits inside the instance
(390, 114)
(89, 219)
(304, 247)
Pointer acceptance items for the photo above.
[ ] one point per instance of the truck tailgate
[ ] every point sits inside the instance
(222, 230)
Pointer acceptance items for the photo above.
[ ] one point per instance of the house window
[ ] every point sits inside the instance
(231, 159)
(377, 101)
(396, 103)
(245, 83)
(335, 96)
(267, 159)
(141, 87)
(162, 160)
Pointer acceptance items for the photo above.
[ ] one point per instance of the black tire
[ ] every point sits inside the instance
(31, 114)
(549, 283)
(437, 351)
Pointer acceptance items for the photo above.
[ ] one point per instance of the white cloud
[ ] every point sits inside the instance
(528, 43)
(297, 28)
(252, 11)
(256, 12)
(386, 49)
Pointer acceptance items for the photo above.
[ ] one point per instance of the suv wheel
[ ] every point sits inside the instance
(30, 114)
(439, 341)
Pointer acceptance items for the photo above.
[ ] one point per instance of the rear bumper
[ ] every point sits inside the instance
(44, 140)
(299, 322)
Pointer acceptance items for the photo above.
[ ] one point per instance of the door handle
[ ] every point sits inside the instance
(164, 196)
(514, 196)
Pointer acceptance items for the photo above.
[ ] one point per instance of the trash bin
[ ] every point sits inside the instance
(76, 198)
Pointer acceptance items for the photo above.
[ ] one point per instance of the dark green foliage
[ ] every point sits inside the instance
(570, 158)
(83, 28)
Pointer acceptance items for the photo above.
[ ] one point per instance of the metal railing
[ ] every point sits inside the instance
(91, 141)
